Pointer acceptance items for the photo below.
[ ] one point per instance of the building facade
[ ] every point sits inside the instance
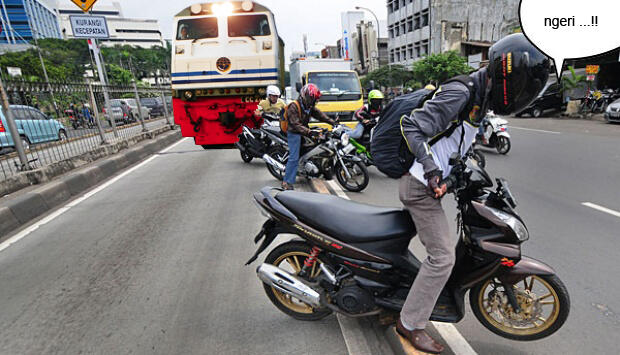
(370, 52)
(417, 28)
(144, 33)
(25, 20)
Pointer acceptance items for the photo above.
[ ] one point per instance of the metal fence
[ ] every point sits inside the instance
(58, 121)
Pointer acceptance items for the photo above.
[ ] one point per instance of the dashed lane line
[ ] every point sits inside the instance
(601, 208)
(448, 331)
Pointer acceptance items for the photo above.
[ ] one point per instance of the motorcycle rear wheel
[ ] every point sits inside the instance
(290, 257)
(247, 158)
(359, 175)
(491, 307)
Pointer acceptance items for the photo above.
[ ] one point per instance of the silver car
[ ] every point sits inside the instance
(612, 113)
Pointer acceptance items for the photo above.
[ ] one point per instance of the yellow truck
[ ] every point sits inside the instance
(341, 89)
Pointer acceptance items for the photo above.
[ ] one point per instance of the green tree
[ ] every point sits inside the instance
(437, 68)
(388, 76)
(572, 82)
(118, 75)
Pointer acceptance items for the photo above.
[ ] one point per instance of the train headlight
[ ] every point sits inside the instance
(195, 9)
(222, 9)
(267, 45)
(188, 95)
(247, 6)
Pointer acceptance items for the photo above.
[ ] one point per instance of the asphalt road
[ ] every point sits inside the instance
(153, 264)
(554, 167)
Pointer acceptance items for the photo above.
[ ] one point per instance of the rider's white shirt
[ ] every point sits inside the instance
(442, 150)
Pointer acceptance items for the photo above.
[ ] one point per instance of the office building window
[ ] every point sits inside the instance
(410, 24)
(424, 18)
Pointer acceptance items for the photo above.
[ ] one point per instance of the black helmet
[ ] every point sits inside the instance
(518, 73)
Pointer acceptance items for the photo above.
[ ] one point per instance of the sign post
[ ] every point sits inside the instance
(93, 27)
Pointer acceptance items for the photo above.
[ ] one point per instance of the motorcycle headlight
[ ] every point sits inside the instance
(517, 227)
(344, 139)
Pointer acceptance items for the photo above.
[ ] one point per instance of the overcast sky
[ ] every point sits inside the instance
(320, 19)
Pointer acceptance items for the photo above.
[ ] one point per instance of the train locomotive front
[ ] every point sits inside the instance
(224, 56)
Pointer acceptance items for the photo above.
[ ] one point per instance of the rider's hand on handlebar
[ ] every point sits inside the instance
(435, 188)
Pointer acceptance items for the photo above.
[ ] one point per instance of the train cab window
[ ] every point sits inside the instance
(198, 28)
(248, 25)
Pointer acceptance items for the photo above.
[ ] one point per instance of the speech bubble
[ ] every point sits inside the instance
(568, 29)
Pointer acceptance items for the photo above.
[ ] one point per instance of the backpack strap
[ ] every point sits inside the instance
(464, 114)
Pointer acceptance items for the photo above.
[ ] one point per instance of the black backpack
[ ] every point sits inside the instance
(389, 149)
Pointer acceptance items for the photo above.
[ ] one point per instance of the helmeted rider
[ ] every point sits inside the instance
(516, 74)
(298, 115)
(273, 104)
(368, 114)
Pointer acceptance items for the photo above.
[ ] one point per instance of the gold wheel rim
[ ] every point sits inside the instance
(538, 323)
(295, 260)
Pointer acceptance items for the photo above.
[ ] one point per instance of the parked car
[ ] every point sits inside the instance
(550, 98)
(33, 127)
(120, 112)
(154, 104)
(612, 113)
(133, 104)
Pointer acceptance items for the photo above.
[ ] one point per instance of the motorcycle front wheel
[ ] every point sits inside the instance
(247, 158)
(543, 301)
(281, 155)
(479, 157)
(359, 175)
(290, 257)
(503, 145)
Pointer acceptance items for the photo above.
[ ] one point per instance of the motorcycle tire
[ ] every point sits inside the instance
(280, 154)
(479, 157)
(503, 145)
(247, 158)
(342, 176)
(559, 313)
(295, 252)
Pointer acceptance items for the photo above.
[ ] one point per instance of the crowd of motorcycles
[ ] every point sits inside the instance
(337, 154)
(598, 100)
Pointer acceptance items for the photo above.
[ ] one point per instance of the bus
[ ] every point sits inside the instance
(225, 54)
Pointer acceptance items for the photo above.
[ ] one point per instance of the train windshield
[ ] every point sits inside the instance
(198, 28)
(337, 86)
(248, 26)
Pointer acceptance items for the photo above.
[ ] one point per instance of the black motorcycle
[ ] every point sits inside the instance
(259, 142)
(354, 259)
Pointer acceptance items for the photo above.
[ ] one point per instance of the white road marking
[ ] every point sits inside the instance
(601, 208)
(534, 130)
(14, 239)
(448, 331)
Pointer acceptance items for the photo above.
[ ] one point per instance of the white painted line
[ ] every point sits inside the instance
(455, 340)
(601, 208)
(14, 239)
(534, 130)
(448, 331)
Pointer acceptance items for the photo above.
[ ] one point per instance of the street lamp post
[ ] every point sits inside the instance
(378, 30)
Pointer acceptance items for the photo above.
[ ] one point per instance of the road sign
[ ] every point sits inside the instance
(592, 69)
(84, 5)
(590, 77)
(14, 71)
(89, 26)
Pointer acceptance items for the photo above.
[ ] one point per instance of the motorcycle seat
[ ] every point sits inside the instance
(348, 221)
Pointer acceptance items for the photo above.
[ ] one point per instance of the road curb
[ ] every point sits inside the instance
(16, 212)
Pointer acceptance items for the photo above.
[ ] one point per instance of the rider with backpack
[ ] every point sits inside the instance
(414, 140)
(297, 118)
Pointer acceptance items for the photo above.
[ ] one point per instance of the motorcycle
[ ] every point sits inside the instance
(327, 156)
(354, 259)
(360, 139)
(476, 155)
(495, 134)
(256, 142)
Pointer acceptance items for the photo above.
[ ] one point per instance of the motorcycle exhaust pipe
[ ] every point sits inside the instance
(284, 282)
(271, 161)
(240, 147)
